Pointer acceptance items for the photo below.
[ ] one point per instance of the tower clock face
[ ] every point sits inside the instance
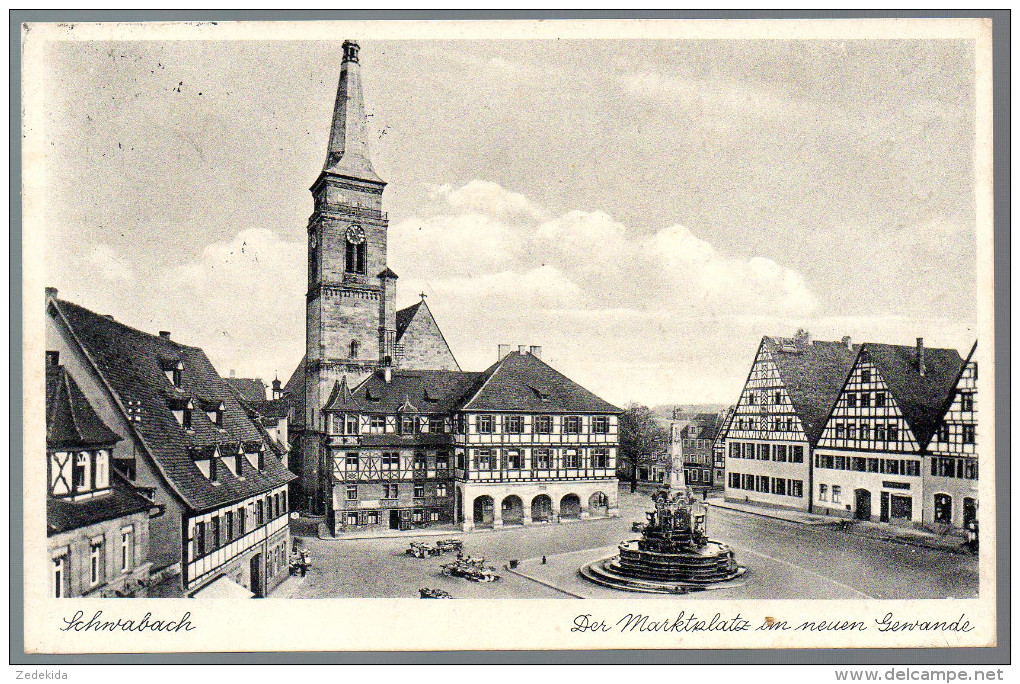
(355, 235)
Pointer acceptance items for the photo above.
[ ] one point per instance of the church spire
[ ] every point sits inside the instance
(348, 140)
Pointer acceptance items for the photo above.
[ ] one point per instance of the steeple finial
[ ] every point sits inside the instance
(348, 139)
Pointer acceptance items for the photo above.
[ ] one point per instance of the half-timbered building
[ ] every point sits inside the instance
(189, 447)
(869, 457)
(516, 444)
(950, 473)
(779, 417)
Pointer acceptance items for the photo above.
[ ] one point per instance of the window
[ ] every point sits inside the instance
(777, 397)
(797, 488)
(127, 552)
(572, 425)
(242, 520)
(969, 434)
(82, 475)
(60, 576)
(781, 453)
(486, 425)
(600, 425)
(734, 449)
(352, 461)
(442, 462)
(355, 348)
(513, 425)
(851, 399)
(352, 519)
(97, 553)
(390, 491)
(865, 375)
(851, 430)
(797, 454)
(260, 513)
(228, 526)
(351, 424)
(967, 401)
(420, 462)
(873, 465)
(865, 432)
(943, 433)
(762, 483)
(751, 398)
(823, 492)
(372, 518)
(102, 469)
(880, 399)
(186, 419)
(283, 501)
(513, 459)
(859, 464)
(433, 516)
(866, 399)
(391, 461)
(892, 433)
(880, 432)
(485, 460)
(214, 531)
(747, 482)
(571, 458)
(355, 251)
(352, 492)
(543, 459)
(912, 468)
(460, 460)
(407, 425)
(734, 480)
(441, 489)
(970, 470)
(419, 490)
(418, 516)
(377, 425)
(836, 494)
(779, 486)
(436, 424)
(840, 430)
(199, 538)
(600, 458)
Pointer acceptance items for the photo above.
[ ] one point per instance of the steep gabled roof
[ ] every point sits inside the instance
(525, 383)
(130, 363)
(248, 389)
(813, 374)
(404, 318)
(341, 399)
(294, 393)
(922, 399)
(431, 391)
(122, 500)
(70, 420)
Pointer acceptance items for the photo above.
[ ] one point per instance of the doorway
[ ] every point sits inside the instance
(394, 519)
(483, 511)
(969, 510)
(862, 504)
(884, 513)
(255, 573)
(943, 509)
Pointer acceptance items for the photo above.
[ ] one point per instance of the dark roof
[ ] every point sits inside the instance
(294, 393)
(404, 318)
(922, 399)
(249, 389)
(267, 408)
(122, 500)
(708, 425)
(341, 399)
(428, 391)
(813, 374)
(130, 363)
(523, 382)
(70, 419)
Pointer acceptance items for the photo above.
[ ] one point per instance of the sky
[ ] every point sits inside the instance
(644, 210)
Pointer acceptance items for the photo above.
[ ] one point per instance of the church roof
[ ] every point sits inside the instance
(71, 422)
(921, 398)
(525, 383)
(813, 374)
(405, 316)
(129, 362)
(294, 392)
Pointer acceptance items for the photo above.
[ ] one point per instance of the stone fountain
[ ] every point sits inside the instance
(674, 554)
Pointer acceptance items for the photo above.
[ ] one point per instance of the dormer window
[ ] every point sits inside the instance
(214, 411)
(174, 371)
(186, 417)
(82, 474)
(407, 425)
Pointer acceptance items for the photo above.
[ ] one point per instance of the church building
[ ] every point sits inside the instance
(385, 427)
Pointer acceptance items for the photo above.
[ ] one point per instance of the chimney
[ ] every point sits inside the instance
(847, 343)
(387, 374)
(536, 351)
(52, 358)
(51, 293)
(522, 349)
(233, 373)
(165, 334)
(503, 351)
(920, 356)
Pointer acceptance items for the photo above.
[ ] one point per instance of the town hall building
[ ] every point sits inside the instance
(386, 430)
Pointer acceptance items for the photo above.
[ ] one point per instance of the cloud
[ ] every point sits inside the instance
(109, 265)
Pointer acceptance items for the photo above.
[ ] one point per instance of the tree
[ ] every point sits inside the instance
(643, 439)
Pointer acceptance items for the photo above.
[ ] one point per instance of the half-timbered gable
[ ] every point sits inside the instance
(779, 416)
(952, 464)
(868, 462)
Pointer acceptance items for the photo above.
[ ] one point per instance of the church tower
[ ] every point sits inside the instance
(351, 298)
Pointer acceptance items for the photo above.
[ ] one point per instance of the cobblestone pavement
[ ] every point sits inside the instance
(784, 560)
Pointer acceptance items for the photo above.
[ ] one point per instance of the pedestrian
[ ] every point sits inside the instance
(543, 560)
(972, 536)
